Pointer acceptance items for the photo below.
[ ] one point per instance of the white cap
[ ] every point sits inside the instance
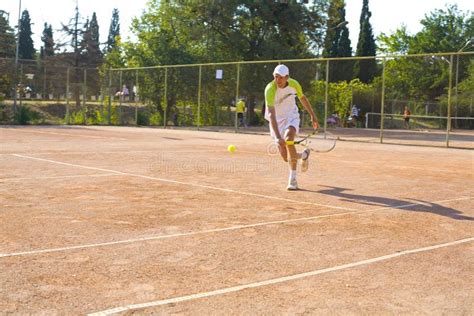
(281, 70)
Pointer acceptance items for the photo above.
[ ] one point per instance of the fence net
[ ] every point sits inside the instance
(437, 89)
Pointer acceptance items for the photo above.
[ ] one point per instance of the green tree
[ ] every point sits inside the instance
(7, 38)
(465, 99)
(426, 79)
(185, 32)
(466, 92)
(444, 30)
(343, 94)
(48, 41)
(114, 31)
(90, 43)
(365, 69)
(337, 42)
(26, 49)
(396, 43)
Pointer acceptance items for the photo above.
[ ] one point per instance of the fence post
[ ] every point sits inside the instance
(326, 96)
(21, 86)
(135, 97)
(110, 98)
(120, 98)
(84, 93)
(237, 96)
(165, 110)
(199, 97)
(448, 125)
(44, 81)
(382, 102)
(68, 118)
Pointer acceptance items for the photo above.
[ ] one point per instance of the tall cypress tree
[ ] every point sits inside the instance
(114, 31)
(7, 38)
(94, 28)
(337, 42)
(90, 42)
(365, 69)
(26, 50)
(48, 42)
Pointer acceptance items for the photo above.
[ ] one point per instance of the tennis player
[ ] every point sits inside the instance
(282, 114)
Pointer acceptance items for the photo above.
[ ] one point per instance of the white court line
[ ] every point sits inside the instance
(186, 183)
(34, 252)
(59, 177)
(276, 280)
(216, 230)
(156, 151)
(68, 134)
(121, 152)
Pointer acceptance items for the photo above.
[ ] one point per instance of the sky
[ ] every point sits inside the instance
(387, 15)
(55, 12)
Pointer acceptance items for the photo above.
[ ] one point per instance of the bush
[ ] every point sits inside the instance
(77, 118)
(143, 118)
(156, 119)
(25, 115)
(3, 110)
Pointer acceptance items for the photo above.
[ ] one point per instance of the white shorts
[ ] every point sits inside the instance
(283, 125)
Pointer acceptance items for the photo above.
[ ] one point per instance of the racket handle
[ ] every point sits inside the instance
(290, 142)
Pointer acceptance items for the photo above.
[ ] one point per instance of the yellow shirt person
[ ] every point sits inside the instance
(240, 109)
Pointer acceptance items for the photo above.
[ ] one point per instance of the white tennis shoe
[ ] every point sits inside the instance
(292, 185)
(305, 160)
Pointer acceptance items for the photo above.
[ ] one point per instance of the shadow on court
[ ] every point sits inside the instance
(410, 205)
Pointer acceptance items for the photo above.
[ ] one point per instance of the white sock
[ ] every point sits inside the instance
(292, 174)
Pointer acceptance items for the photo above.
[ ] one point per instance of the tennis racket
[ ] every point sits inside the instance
(317, 141)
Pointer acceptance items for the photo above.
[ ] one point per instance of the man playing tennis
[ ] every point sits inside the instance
(282, 114)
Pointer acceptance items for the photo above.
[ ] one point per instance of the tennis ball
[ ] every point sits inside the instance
(231, 148)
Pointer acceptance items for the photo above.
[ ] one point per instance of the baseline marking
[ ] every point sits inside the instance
(185, 183)
(68, 134)
(59, 177)
(276, 280)
(216, 230)
(156, 151)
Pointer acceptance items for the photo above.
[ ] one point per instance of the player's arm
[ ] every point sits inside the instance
(274, 124)
(270, 92)
(304, 100)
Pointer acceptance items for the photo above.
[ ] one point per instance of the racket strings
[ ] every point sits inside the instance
(320, 142)
(317, 141)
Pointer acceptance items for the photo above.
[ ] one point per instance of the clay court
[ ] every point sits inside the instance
(123, 220)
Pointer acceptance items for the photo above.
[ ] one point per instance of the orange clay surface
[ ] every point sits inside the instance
(165, 221)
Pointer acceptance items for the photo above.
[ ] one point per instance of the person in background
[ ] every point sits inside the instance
(125, 92)
(406, 117)
(355, 115)
(240, 109)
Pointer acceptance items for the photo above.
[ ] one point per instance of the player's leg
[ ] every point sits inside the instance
(290, 134)
(305, 160)
(283, 152)
(282, 149)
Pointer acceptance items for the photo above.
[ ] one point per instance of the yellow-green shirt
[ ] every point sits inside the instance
(240, 108)
(283, 99)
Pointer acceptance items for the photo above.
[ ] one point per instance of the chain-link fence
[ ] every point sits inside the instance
(436, 88)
